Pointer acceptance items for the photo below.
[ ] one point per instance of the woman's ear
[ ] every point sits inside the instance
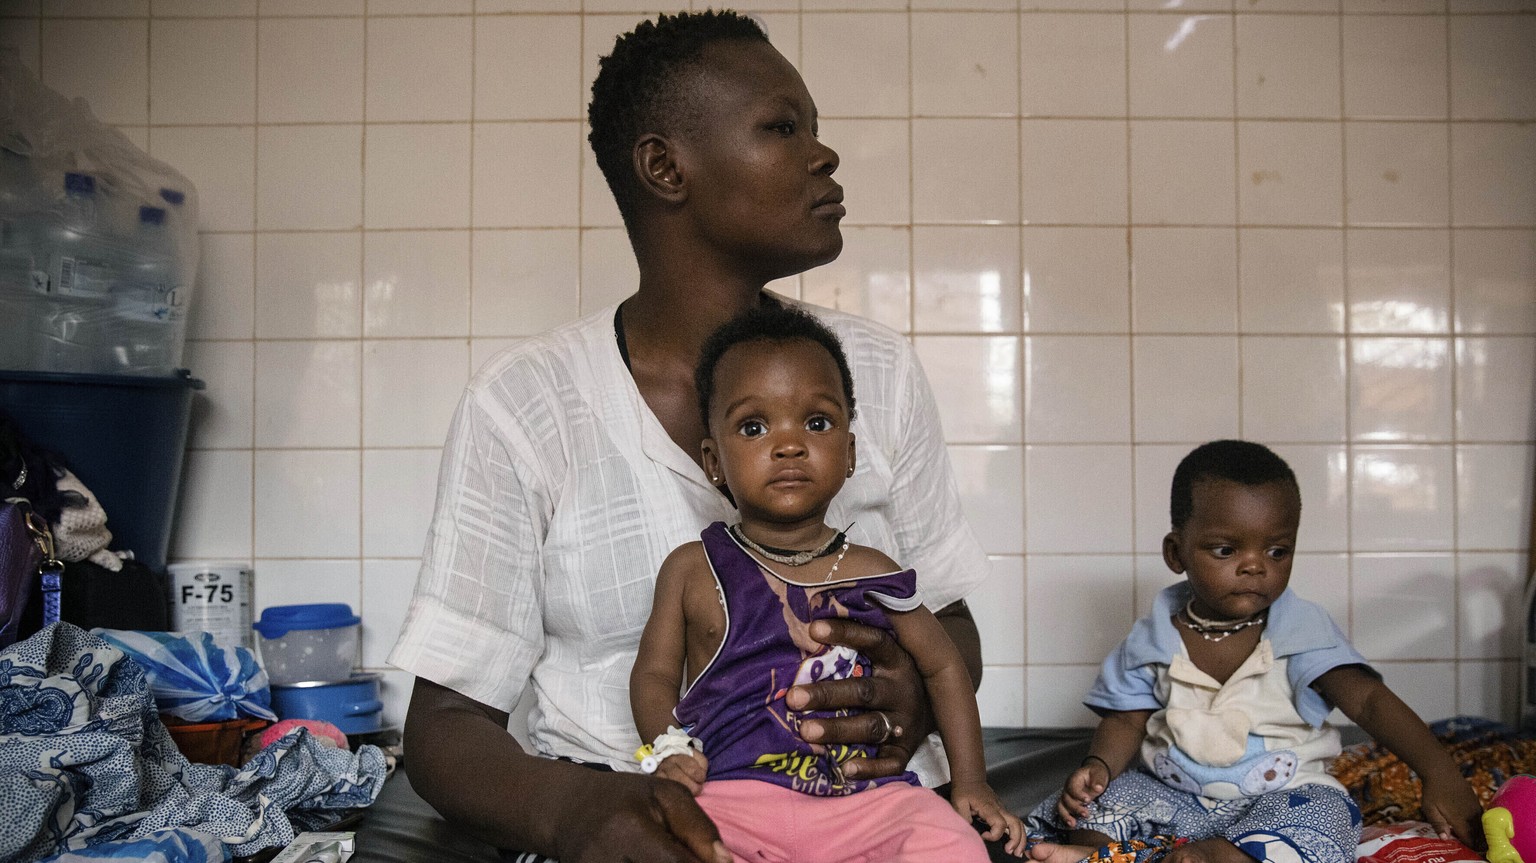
(1173, 553)
(657, 168)
(852, 456)
(711, 461)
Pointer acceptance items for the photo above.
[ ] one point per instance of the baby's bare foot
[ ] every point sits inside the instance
(1052, 852)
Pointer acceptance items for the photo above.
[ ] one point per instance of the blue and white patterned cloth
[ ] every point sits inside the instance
(177, 845)
(1306, 824)
(195, 678)
(85, 762)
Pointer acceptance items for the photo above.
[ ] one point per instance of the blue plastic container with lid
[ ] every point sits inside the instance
(307, 643)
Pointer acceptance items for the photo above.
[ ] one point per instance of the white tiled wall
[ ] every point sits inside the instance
(1114, 229)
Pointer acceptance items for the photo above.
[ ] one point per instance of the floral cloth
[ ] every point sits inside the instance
(1487, 752)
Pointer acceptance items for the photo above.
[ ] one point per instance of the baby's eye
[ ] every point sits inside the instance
(819, 424)
(785, 128)
(1222, 551)
(1279, 552)
(753, 428)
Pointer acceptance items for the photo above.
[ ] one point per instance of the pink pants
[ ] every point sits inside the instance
(895, 823)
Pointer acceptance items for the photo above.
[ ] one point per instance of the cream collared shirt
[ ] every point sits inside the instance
(1241, 738)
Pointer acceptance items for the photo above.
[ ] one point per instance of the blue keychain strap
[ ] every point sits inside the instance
(50, 569)
(53, 576)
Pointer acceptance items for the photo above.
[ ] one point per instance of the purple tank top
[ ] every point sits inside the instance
(736, 706)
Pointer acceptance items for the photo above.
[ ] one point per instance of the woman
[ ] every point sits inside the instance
(571, 470)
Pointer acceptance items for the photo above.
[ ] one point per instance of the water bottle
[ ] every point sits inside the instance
(21, 205)
(149, 300)
(77, 270)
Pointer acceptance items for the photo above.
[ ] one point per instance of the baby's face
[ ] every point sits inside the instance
(1237, 546)
(779, 435)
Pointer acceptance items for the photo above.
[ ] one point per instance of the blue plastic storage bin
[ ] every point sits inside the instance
(123, 435)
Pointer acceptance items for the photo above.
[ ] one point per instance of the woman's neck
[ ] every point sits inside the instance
(669, 323)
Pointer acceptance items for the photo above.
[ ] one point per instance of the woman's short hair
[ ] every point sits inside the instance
(640, 88)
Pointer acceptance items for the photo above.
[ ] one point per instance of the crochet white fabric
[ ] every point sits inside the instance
(81, 531)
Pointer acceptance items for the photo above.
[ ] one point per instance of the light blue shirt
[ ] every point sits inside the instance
(1299, 631)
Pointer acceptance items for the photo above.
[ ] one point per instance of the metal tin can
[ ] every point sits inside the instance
(213, 597)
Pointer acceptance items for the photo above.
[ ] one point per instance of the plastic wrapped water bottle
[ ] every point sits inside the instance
(98, 241)
(21, 202)
(77, 266)
(149, 299)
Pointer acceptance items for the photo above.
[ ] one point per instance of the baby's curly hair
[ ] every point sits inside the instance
(767, 323)
(639, 88)
(1239, 461)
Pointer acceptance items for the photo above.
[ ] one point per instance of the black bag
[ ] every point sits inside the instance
(93, 595)
(132, 599)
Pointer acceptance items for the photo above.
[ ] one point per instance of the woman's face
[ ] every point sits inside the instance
(760, 185)
(779, 434)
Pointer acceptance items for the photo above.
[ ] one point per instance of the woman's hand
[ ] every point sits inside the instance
(978, 800)
(893, 691)
(473, 772)
(636, 818)
(1082, 788)
(687, 769)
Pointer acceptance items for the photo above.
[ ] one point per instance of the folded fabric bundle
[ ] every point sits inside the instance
(85, 761)
(194, 677)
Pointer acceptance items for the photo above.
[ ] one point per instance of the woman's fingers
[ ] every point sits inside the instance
(642, 819)
(691, 827)
(874, 643)
(889, 707)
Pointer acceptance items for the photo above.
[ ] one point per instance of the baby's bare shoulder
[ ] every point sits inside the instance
(864, 560)
(684, 565)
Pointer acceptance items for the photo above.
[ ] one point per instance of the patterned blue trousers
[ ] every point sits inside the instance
(1307, 824)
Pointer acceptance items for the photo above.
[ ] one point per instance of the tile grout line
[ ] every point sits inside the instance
(1024, 383)
(1130, 290)
(474, 93)
(1237, 238)
(250, 543)
(1454, 360)
(1348, 334)
(362, 306)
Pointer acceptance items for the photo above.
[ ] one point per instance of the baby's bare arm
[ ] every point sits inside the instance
(657, 678)
(1115, 745)
(949, 690)
(1449, 802)
(953, 700)
(1117, 740)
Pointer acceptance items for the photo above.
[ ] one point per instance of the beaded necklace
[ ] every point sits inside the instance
(789, 556)
(792, 557)
(1222, 629)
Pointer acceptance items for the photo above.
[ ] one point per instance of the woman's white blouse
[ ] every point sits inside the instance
(560, 494)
